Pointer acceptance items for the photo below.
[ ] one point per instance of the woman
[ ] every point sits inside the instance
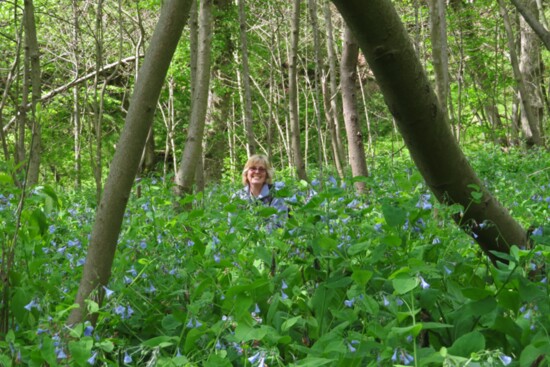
(258, 183)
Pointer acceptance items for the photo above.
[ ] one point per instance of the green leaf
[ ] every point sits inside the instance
(81, 350)
(361, 277)
(413, 330)
(314, 362)
(216, 360)
(405, 285)
(468, 344)
(290, 323)
(394, 216)
(529, 355)
(245, 333)
(191, 338)
(162, 341)
(106, 346)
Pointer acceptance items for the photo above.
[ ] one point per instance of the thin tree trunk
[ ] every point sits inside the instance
(348, 86)
(192, 151)
(293, 94)
(250, 139)
(31, 46)
(529, 124)
(330, 93)
(440, 51)
(124, 167)
(319, 66)
(412, 101)
(76, 98)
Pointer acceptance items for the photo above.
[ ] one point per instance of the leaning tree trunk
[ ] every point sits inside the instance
(193, 151)
(293, 95)
(413, 103)
(124, 167)
(348, 85)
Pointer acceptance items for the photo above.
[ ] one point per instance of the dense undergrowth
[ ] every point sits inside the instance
(384, 279)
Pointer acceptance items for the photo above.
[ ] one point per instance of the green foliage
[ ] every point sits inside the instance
(381, 279)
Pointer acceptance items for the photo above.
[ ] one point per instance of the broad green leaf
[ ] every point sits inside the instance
(290, 323)
(216, 360)
(81, 350)
(529, 355)
(468, 344)
(314, 362)
(394, 215)
(191, 339)
(408, 330)
(245, 333)
(361, 277)
(405, 285)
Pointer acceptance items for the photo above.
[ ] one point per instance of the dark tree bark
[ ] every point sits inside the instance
(124, 167)
(412, 101)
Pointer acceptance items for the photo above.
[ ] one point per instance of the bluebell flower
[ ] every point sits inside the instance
(378, 227)
(51, 229)
(217, 258)
(32, 304)
(40, 331)
(143, 244)
(447, 270)
(332, 180)
(386, 302)
(74, 243)
(88, 330)
(407, 358)
(193, 323)
(315, 182)
(60, 353)
(127, 279)
(190, 243)
(399, 301)
(506, 360)
(351, 348)
(394, 355)
(537, 231)
(127, 358)
(423, 283)
(61, 250)
(349, 302)
(132, 271)
(284, 295)
(278, 185)
(108, 292)
(436, 241)
(254, 358)
(92, 359)
(284, 285)
(215, 240)
(124, 312)
(151, 288)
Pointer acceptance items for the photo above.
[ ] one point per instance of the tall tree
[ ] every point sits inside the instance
(125, 163)
(348, 86)
(529, 121)
(330, 91)
(440, 58)
(192, 151)
(247, 99)
(293, 94)
(32, 54)
(414, 105)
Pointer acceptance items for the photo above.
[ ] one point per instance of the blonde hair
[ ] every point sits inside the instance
(258, 159)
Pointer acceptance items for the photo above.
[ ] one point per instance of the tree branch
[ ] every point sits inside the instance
(541, 32)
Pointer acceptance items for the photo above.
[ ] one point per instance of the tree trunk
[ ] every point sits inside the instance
(348, 87)
(413, 103)
(33, 54)
(529, 14)
(319, 66)
(439, 51)
(192, 151)
(331, 102)
(530, 69)
(101, 250)
(248, 124)
(529, 122)
(293, 95)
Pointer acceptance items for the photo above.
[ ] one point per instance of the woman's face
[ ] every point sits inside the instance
(256, 174)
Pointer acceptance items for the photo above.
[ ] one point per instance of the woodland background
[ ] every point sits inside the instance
(286, 79)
